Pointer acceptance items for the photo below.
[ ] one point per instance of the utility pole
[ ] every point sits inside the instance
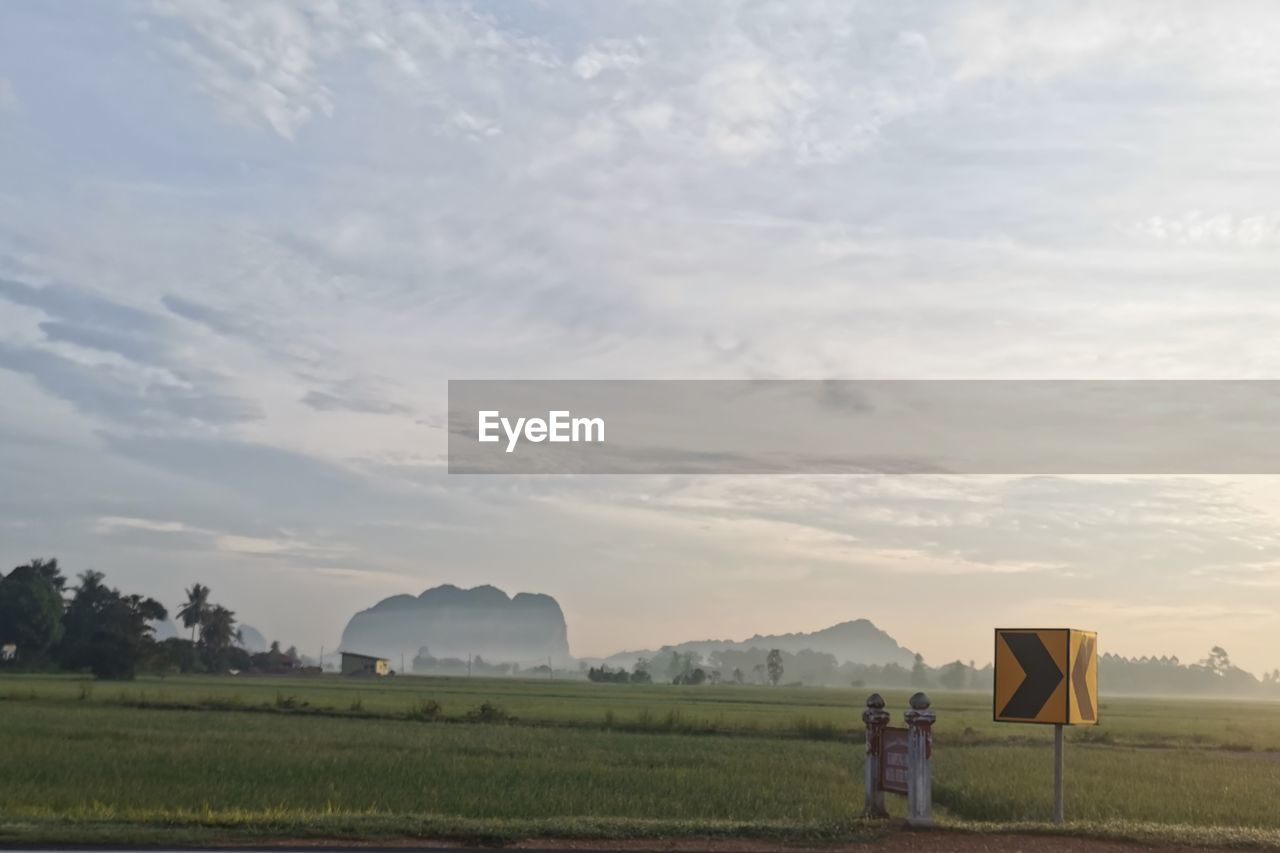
(468, 666)
(322, 658)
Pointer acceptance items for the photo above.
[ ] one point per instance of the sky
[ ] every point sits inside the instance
(243, 247)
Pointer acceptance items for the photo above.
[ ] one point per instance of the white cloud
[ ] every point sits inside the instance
(259, 62)
(609, 54)
(1212, 230)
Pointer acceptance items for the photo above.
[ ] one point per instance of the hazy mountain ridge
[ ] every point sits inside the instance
(855, 641)
(451, 622)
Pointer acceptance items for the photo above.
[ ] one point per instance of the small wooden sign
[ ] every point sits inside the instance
(893, 760)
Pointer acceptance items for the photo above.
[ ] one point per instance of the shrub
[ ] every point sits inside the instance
(426, 710)
(487, 712)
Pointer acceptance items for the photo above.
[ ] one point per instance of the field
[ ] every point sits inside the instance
(189, 760)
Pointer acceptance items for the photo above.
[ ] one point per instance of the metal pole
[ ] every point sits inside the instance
(1057, 774)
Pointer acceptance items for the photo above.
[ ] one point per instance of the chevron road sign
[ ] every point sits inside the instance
(1046, 675)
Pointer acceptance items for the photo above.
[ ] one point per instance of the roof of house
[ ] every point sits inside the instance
(358, 655)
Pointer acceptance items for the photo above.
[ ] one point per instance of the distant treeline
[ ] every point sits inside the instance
(806, 667)
(1215, 675)
(47, 624)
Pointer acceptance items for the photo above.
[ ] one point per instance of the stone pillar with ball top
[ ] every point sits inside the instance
(876, 718)
(920, 758)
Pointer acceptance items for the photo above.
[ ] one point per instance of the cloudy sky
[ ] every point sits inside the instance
(243, 246)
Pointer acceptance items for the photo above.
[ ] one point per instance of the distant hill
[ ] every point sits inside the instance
(450, 622)
(857, 641)
(251, 639)
(163, 629)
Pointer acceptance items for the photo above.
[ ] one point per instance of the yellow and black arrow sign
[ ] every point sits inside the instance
(1046, 675)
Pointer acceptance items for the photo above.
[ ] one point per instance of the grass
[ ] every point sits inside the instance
(812, 713)
(190, 760)
(109, 765)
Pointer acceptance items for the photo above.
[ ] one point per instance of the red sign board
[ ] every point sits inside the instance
(893, 760)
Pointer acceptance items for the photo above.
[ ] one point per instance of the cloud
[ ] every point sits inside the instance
(178, 535)
(145, 350)
(1212, 230)
(8, 97)
(325, 401)
(269, 65)
(609, 54)
(221, 322)
(79, 306)
(264, 274)
(259, 63)
(106, 392)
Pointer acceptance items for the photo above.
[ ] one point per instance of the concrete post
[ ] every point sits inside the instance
(920, 761)
(875, 718)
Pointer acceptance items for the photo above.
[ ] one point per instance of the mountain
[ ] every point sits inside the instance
(857, 641)
(454, 623)
(163, 629)
(251, 639)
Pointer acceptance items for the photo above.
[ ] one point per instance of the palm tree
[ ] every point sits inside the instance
(218, 629)
(192, 613)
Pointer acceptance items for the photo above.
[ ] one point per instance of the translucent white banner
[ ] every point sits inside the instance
(859, 427)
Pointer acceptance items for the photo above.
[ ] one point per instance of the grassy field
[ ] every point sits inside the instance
(186, 759)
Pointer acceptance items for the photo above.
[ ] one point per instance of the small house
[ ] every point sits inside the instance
(356, 664)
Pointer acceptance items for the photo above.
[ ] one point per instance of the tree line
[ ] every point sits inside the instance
(47, 623)
(1213, 675)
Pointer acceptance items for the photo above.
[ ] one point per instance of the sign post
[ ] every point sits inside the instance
(1057, 774)
(1047, 675)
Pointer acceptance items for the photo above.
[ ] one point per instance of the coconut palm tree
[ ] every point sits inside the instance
(193, 612)
(218, 629)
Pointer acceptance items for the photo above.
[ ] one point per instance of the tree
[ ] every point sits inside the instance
(954, 675)
(681, 665)
(919, 672)
(737, 675)
(193, 612)
(50, 571)
(774, 664)
(31, 609)
(218, 628)
(107, 632)
(1218, 660)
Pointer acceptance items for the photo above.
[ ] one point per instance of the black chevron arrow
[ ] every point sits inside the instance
(1042, 676)
(1079, 682)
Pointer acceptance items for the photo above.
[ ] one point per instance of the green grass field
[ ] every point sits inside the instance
(184, 760)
